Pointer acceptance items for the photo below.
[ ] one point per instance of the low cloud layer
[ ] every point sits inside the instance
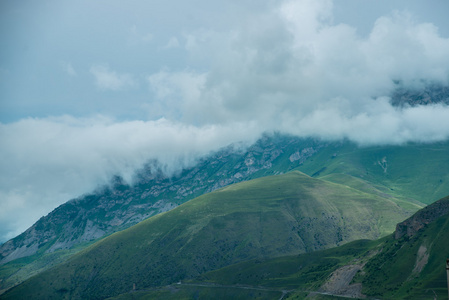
(289, 67)
(57, 159)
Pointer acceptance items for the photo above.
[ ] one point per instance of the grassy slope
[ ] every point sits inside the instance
(389, 274)
(394, 267)
(299, 275)
(16, 271)
(414, 171)
(266, 217)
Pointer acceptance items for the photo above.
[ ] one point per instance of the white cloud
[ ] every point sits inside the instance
(383, 124)
(293, 63)
(107, 79)
(56, 159)
(307, 17)
(177, 94)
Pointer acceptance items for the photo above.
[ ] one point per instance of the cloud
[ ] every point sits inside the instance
(177, 94)
(107, 79)
(293, 64)
(381, 125)
(56, 159)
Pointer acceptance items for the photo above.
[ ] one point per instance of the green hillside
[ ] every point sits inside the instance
(412, 171)
(266, 217)
(411, 267)
(293, 277)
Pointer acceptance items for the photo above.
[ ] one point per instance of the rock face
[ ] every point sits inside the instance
(431, 94)
(423, 217)
(119, 205)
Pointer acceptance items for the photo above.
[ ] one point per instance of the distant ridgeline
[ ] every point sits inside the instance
(432, 93)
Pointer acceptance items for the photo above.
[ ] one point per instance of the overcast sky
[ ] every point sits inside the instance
(89, 89)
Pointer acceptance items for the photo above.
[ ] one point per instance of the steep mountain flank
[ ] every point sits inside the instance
(262, 218)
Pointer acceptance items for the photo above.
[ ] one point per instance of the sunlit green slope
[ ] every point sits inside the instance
(266, 217)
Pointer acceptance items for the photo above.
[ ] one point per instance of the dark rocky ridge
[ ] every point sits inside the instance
(422, 218)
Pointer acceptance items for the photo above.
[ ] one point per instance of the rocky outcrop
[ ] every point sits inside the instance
(423, 217)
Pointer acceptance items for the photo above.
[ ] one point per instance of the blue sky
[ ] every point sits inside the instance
(89, 89)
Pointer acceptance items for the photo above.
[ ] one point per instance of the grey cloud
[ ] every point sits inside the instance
(293, 64)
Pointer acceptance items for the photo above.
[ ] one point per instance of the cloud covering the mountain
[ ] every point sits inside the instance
(176, 93)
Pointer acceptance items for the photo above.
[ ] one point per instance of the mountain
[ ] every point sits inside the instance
(262, 218)
(77, 223)
(415, 173)
(119, 206)
(398, 266)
